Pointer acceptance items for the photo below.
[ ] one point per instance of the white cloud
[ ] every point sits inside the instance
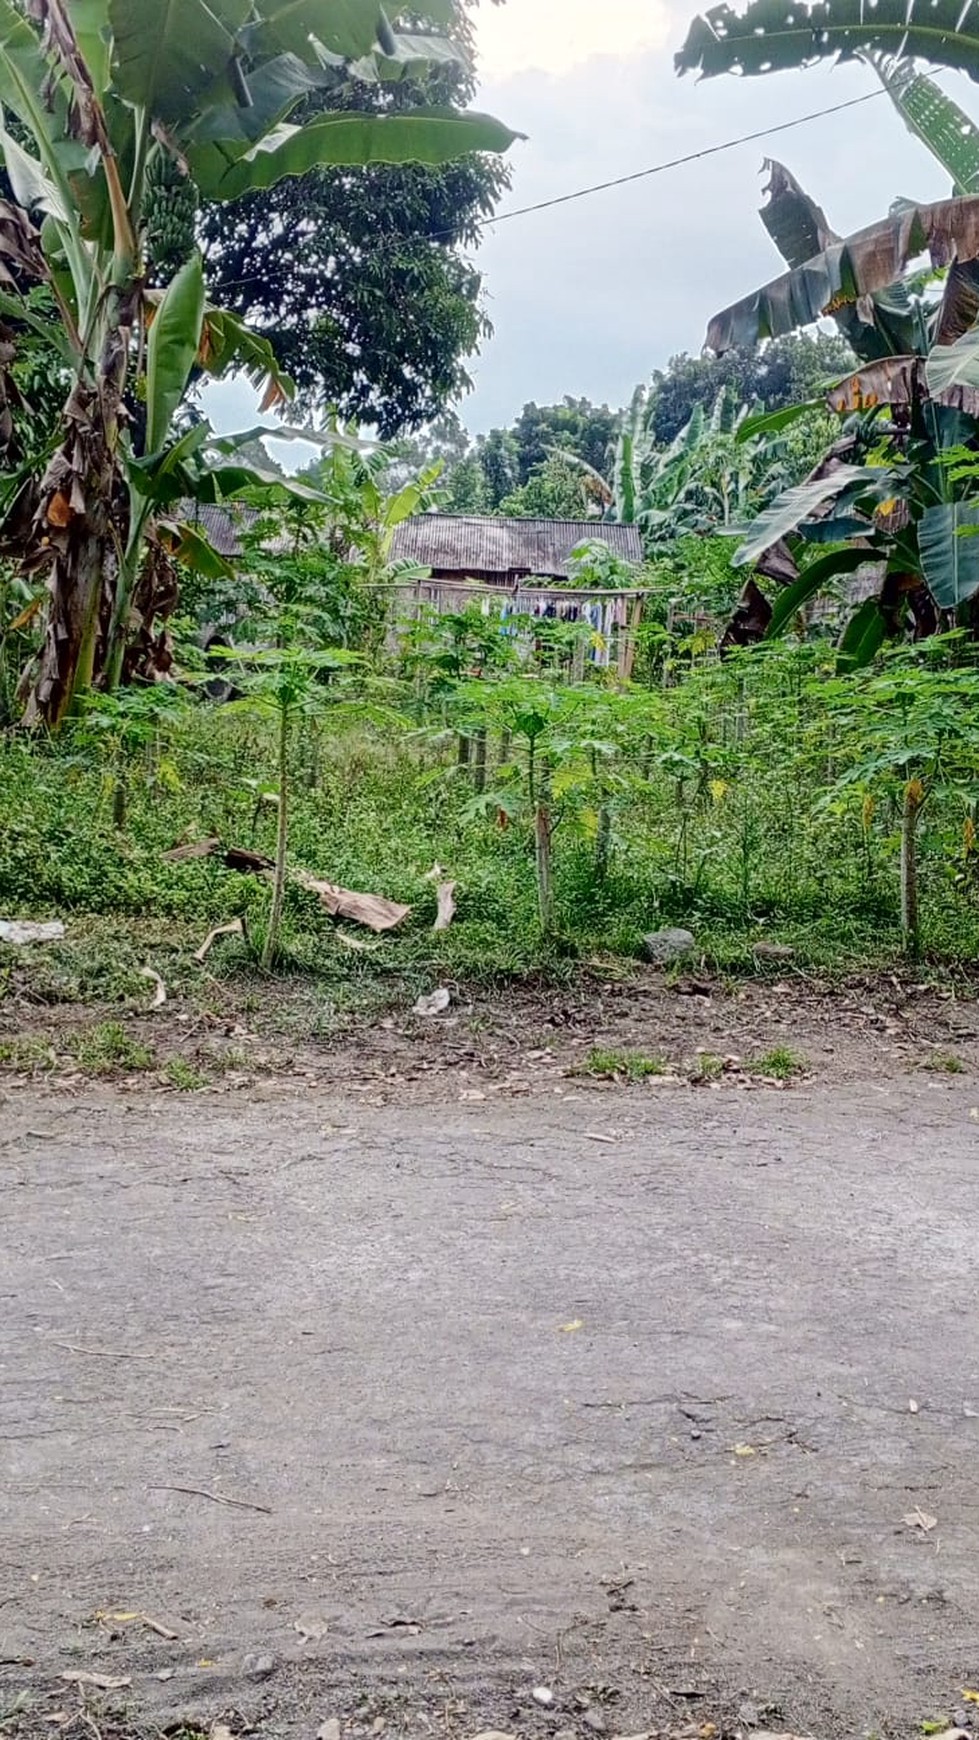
(556, 35)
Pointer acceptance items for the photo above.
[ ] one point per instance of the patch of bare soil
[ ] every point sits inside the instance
(597, 1411)
(711, 1033)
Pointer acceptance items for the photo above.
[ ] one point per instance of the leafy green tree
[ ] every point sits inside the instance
(499, 459)
(107, 94)
(779, 373)
(576, 426)
(466, 489)
(557, 489)
(358, 279)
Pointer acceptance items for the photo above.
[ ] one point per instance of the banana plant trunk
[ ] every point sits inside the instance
(72, 535)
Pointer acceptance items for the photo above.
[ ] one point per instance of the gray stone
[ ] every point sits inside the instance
(772, 951)
(258, 1667)
(663, 947)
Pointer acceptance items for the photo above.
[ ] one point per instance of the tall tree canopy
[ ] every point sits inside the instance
(358, 278)
(782, 373)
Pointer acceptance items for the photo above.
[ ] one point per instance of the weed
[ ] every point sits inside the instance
(182, 1075)
(781, 1063)
(707, 1067)
(27, 1055)
(621, 1065)
(946, 1063)
(108, 1047)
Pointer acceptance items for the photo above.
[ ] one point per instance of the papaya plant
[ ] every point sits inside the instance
(103, 105)
(912, 736)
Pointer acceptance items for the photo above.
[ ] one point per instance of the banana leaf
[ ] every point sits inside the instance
(847, 272)
(172, 349)
(166, 53)
(810, 581)
(776, 35)
(345, 140)
(954, 369)
(790, 509)
(949, 549)
(943, 128)
(863, 636)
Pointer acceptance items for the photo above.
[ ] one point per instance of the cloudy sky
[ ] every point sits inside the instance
(590, 297)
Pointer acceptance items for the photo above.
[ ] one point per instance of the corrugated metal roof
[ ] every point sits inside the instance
(474, 544)
(220, 523)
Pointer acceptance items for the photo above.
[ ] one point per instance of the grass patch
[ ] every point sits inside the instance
(946, 1063)
(27, 1055)
(780, 1064)
(708, 1067)
(108, 1048)
(180, 1074)
(611, 1065)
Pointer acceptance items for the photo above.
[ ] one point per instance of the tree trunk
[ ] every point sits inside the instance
(479, 759)
(281, 843)
(914, 797)
(543, 834)
(78, 532)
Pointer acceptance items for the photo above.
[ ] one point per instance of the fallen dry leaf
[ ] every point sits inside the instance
(745, 1450)
(435, 1003)
(920, 1519)
(371, 910)
(569, 1328)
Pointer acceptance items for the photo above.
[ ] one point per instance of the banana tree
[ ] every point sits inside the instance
(102, 104)
(917, 387)
(914, 399)
(890, 36)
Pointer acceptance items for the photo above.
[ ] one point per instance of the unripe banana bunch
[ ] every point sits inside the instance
(170, 209)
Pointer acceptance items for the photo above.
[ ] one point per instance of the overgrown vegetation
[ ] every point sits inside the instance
(217, 734)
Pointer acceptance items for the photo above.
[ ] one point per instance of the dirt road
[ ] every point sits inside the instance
(396, 1416)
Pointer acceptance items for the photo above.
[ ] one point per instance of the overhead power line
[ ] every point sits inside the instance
(677, 162)
(394, 240)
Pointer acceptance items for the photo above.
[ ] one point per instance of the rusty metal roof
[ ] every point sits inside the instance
(477, 544)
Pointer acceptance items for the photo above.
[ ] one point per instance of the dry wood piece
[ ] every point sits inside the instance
(160, 992)
(445, 895)
(198, 849)
(215, 1498)
(371, 910)
(234, 928)
(101, 1682)
(240, 858)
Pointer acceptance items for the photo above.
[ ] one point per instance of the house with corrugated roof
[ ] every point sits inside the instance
(502, 552)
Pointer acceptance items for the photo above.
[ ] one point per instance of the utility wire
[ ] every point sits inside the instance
(397, 239)
(676, 162)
